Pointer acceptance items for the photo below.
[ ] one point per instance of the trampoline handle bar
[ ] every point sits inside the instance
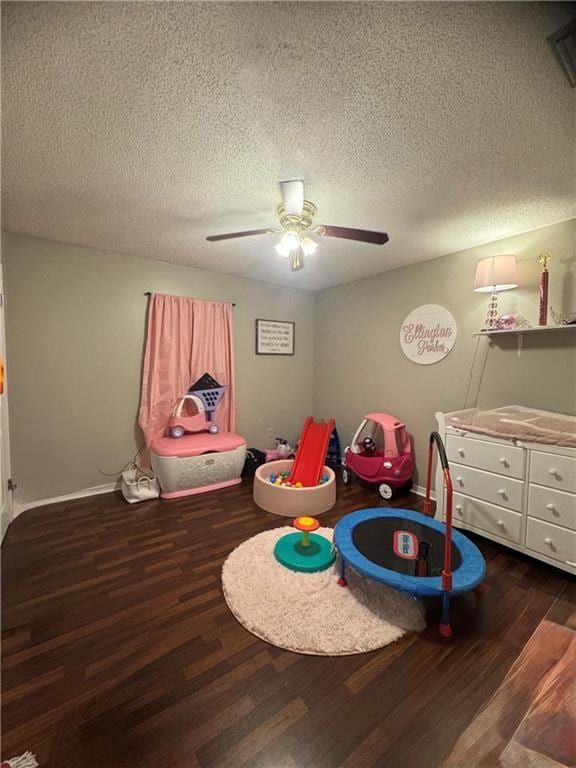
(435, 438)
(447, 572)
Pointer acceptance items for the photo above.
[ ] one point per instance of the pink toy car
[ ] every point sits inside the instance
(380, 453)
(195, 411)
(189, 415)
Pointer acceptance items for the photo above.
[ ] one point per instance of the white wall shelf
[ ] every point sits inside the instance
(519, 332)
(534, 329)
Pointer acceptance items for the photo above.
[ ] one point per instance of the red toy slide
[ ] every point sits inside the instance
(311, 453)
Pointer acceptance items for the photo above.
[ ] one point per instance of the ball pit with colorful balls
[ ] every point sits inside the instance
(290, 501)
(283, 478)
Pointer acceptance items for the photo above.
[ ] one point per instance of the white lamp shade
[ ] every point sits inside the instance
(496, 273)
(281, 250)
(308, 245)
(290, 241)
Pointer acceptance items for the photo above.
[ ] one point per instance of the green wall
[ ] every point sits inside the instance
(360, 367)
(75, 333)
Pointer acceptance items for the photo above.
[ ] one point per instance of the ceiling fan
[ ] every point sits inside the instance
(296, 215)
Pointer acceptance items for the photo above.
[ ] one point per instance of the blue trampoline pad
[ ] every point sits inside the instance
(393, 545)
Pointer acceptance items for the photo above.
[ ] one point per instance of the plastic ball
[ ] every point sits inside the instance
(325, 478)
(278, 482)
(298, 484)
(273, 477)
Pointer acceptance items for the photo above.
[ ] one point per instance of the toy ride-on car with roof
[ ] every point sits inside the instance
(195, 411)
(380, 454)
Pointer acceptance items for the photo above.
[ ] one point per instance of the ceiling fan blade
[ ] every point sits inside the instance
(362, 235)
(230, 235)
(293, 196)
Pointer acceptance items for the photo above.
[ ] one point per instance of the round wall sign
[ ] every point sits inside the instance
(428, 334)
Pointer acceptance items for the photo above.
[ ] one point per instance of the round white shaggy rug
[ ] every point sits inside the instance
(309, 612)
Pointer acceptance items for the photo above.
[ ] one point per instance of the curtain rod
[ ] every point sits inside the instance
(149, 293)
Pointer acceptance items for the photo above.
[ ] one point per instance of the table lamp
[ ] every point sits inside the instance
(494, 274)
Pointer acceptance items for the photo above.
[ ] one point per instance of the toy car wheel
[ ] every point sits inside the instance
(213, 429)
(346, 476)
(385, 491)
(176, 432)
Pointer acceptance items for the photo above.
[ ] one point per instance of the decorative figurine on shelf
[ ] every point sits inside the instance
(543, 259)
(512, 323)
(506, 323)
(557, 318)
(521, 322)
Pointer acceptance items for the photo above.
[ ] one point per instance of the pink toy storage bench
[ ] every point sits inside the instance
(197, 463)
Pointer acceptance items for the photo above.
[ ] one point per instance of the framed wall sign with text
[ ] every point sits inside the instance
(274, 337)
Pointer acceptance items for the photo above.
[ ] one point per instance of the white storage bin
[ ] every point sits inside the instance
(197, 463)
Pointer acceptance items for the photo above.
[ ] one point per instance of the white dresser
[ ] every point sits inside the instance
(521, 494)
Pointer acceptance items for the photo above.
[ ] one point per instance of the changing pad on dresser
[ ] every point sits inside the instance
(514, 422)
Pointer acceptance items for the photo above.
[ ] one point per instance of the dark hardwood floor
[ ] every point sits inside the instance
(120, 652)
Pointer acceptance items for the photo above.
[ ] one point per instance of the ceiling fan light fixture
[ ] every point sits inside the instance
(281, 250)
(295, 215)
(296, 260)
(290, 241)
(308, 246)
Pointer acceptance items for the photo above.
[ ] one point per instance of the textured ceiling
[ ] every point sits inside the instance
(143, 127)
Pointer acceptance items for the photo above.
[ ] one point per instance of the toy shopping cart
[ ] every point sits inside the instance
(203, 397)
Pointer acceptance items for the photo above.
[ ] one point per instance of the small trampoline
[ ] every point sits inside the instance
(405, 550)
(411, 551)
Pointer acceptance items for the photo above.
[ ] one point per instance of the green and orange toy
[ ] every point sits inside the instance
(305, 551)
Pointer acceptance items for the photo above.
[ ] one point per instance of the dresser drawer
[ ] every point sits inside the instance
(488, 517)
(552, 541)
(553, 506)
(553, 470)
(504, 491)
(495, 457)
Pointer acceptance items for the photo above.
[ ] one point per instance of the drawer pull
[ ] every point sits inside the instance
(548, 540)
(460, 481)
(504, 461)
(500, 524)
(460, 451)
(553, 472)
(551, 507)
(502, 492)
(458, 508)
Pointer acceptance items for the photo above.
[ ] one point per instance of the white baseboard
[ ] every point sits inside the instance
(419, 490)
(94, 491)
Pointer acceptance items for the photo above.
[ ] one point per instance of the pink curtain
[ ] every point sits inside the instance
(185, 338)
